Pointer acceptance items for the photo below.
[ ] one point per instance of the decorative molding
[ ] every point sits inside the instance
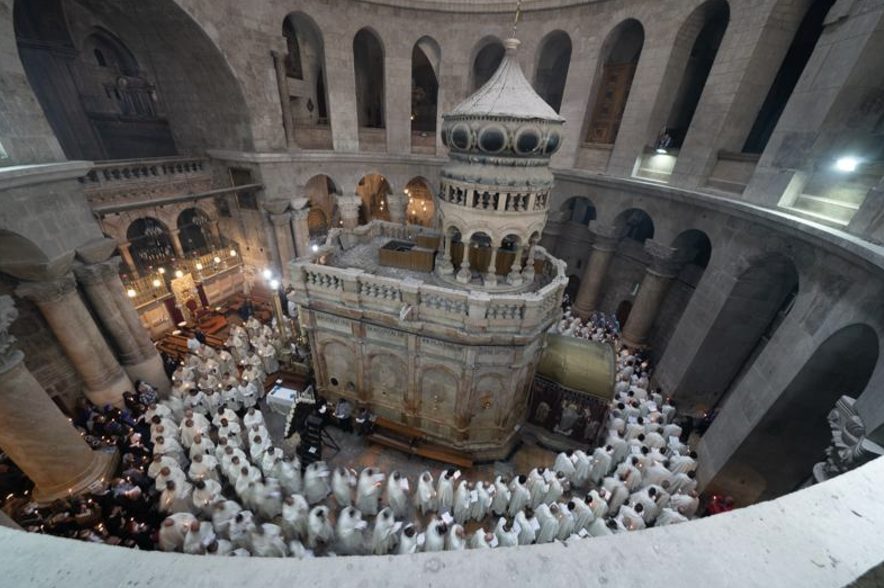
(47, 291)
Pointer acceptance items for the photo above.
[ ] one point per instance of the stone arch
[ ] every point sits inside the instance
(421, 208)
(194, 231)
(22, 258)
(794, 62)
(150, 243)
(426, 58)
(339, 362)
(553, 62)
(693, 247)
(176, 125)
(579, 209)
(635, 224)
(387, 376)
(455, 244)
(756, 305)
(438, 393)
(368, 61)
(373, 189)
(322, 192)
(305, 61)
(702, 32)
(617, 64)
(779, 453)
(486, 57)
(480, 246)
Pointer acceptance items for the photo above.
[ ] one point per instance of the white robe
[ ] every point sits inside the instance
(456, 539)
(501, 497)
(349, 532)
(505, 538)
(520, 497)
(368, 490)
(425, 497)
(267, 541)
(294, 517)
(289, 475)
(564, 465)
(527, 534)
(461, 507)
(222, 514)
(435, 537)
(341, 483)
(173, 530)
(549, 525)
(395, 495)
(319, 529)
(383, 535)
(195, 542)
(408, 544)
(445, 493)
(316, 482)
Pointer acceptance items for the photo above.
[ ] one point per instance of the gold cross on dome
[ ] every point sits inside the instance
(518, 16)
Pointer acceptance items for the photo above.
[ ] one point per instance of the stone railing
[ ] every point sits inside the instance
(413, 302)
(112, 181)
(494, 199)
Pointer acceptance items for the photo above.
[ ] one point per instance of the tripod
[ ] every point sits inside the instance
(329, 441)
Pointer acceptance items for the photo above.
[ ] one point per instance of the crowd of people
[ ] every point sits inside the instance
(201, 474)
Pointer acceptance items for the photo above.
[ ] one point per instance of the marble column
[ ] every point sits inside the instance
(398, 204)
(491, 272)
(465, 273)
(651, 294)
(301, 231)
(175, 236)
(349, 207)
(135, 350)
(444, 267)
(282, 231)
(514, 278)
(73, 326)
(36, 435)
(528, 269)
(126, 254)
(590, 291)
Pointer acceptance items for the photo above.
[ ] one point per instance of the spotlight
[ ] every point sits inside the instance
(156, 283)
(233, 253)
(199, 266)
(314, 247)
(131, 293)
(267, 273)
(846, 164)
(660, 151)
(162, 270)
(274, 284)
(217, 259)
(179, 274)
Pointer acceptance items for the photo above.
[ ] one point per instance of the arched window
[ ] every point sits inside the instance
(305, 61)
(714, 16)
(425, 57)
(621, 53)
(293, 67)
(486, 62)
(552, 68)
(368, 59)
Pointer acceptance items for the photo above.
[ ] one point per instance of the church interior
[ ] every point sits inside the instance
(502, 291)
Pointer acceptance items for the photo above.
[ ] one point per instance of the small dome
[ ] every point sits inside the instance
(506, 94)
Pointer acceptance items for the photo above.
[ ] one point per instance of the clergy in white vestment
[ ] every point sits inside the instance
(456, 538)
(368, 490)
(349, 532)
(445, 490)
(567, 522)
(435, 535)
(383, 535)
(631, 517)
(481, 539)
(173, 530)
(520, 496)
(501, 498)
(198, 537)
(408, 540)
(583, 515)
(205, 494)
(288, 472)
(461, 506)
(669, 516)
(480, 501)
(223, 513)
(220, 547)
(267, 541)
(342, 483)
(295, 511)
(316, 486)
(506, 533)
(319, 529)
(396, 494)
(549, 524)
(176, 498)
(425, 496)
(526, 524)
(565, 466)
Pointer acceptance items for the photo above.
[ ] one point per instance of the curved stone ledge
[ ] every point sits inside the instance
(826, 535)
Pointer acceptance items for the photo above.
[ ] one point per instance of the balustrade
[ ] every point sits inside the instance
(112, 173)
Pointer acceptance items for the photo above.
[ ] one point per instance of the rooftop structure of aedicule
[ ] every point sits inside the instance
(441, 331)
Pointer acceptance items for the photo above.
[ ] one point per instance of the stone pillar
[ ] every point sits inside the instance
(445, 267)
(465, 273)
(651, 294)
(528, 271)
(349, 207)
(126, 254)
(283, 86)
(514, 278)
(80, 338)
(301, 231)
(398, 203)
(175, 235)
(283, 233)
(491, 272)
(593, 278)
(35, 433)
(135, 350)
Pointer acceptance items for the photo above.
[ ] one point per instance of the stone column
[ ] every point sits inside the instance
(465, 273)
(491, 272)
(593, 278)
(651, 294)
(283, 233)
(301, 231)
(80, 338)
(398, 203)
(35, 433)
(175, 235)
(514, 278)
(135, 350)
(283, 86)
(123, 248)
(349, 207)
(445, 267)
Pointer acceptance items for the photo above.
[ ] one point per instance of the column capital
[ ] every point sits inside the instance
(300, 214)
(606, 237)
(349, 205)
(279, 219)
(665, 261)
(97, 273)
(47, 291)
(9, 356)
